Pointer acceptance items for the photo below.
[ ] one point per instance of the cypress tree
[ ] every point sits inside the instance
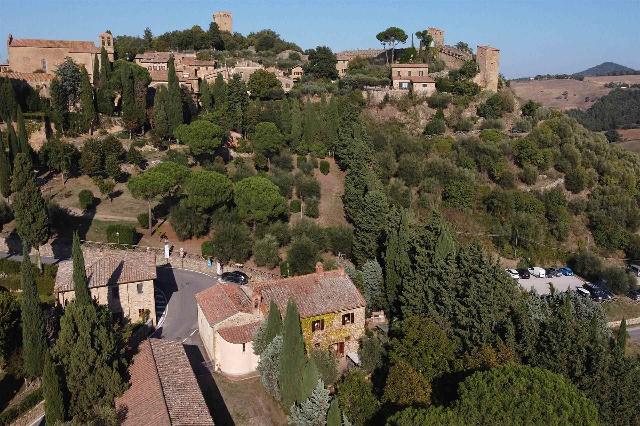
(5, 170)
(274, 322)
(310, 378)
(96, 71)
(8, 105)
(292, 358)
(174, 98)
(333, 414)
(34, 344)
(369, 225)
(14, 146)
(160, 119)
(206, 101)
(23, 136)
(87, 106)
(58, 105)
(105, 101)
(22, 172)
(219, 92)
(296, 124)
(80, 282)
(129, 108)
(621, 337)
(237, 102)
(396, 257)
(52, 392)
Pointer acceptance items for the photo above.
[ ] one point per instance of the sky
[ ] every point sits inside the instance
(534, 37)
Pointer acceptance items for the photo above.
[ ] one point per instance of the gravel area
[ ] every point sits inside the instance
(541, 285)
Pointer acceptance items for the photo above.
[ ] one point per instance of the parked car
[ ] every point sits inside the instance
(552, 272)
(537, 272)
(598, 293)
(513, 273)
(524, 274)
(234, 277)
(583, 291)
(635, 269)
(635, 295)
(566, 271)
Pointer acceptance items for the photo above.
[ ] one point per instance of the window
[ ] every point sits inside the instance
(142, 313)
(421, 73)
(338, 348)
(115, 292)
(317, 325)
(44, 65)
(404, 85)
(244, 347)
(347, 318)
(409, 73)
(140, 288)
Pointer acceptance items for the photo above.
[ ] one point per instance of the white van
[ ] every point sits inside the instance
(537, 272)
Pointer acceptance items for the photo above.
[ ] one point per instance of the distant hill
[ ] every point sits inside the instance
(607, 68)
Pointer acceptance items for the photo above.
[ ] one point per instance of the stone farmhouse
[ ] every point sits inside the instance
(414, 77)
(44, 56)
(332, 316)
(164, 389)
(121, 280)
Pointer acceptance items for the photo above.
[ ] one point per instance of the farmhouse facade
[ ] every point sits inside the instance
(414, 77)
(332, 316)
(121, 280)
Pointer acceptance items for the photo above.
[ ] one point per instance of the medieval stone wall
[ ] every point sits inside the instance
(488, 60)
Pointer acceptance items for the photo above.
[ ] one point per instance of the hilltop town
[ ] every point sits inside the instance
(204, 227)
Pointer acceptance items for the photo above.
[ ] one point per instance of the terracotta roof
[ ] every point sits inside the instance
(415, 78)
(164, 390)
(314, 294)
(113, 268)
(197, 63)
(71, 45)
(33, 77)
(409, 66)
(239, 333)
(163, 76)
(155, 57)
(222, 301)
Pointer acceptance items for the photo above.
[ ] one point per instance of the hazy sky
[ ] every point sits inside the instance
(535, 37)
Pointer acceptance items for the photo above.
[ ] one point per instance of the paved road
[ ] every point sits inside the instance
(180, 287)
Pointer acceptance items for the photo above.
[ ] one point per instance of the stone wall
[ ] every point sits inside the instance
(334, 331)
(488, 60)
(31, 59)
(224, 21)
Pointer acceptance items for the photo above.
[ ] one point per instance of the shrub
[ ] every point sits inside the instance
(134, 157)
(188, 222)
(529, 174)
(307, 186)
(618, 280)
(304, 165)
(178, 157)
(324, 167)
(122, 234)
(522, 126)
(85, 197)
(280, 230)
(576, 179)
(312, 230)
(295, 206)
(463, 125)
(312, 208)
(232, 241)
(492, 123)
(206, 248)
(143, 220)
(436, 126)
(284, 182)
(327, 365)
(302, 256)
(340, 240)
(265, 251)
(439, 100)
(6, 213)
(283, 160)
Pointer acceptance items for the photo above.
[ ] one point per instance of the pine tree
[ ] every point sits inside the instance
(313, 411)
(292, 358)
(34, 344)
(333, 414)
(5, 170)
(23, 136)
(80, 281)
(160, 118)
(52, 392)
(96, 71)
(87, 105)
(206, 101)
(174, 99)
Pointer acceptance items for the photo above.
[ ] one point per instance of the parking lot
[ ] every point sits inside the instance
(541, 285)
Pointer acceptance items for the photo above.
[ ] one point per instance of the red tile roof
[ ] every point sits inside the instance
(118, 267)
(314, 294)
(71, 45)
(163, 76)
(222, 301)
(164, 390)
(239, 333)
(32, 77)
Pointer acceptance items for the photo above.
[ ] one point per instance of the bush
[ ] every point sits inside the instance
(307, 186)
(618, 280)
(232, 241)
(522, 126)
(188, 222)
(340, 240)
(312, 230)
(312, 208)
(304, 165)
(492, 123)
(280, 230)
(463, 125)
(437, 126)
(122, 234)
(134, 157)
(284, 182)
(283, 160)
(439, 100)
(265, 251)
(327, 365)
(206, 248)
(324, 167)
(529, 174)
(178, 157)
(143, 220)
(9, 415)
(586, 264)
(295, 206)
(85, 197)
(302, 256)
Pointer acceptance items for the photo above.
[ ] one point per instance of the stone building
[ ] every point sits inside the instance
(39, 55)
(164, 390)
(124, 281)
(437, 35)
(488, 60)
(224, 20)
(297, 73)
(332, 316)
(414, 77)
(40, 82)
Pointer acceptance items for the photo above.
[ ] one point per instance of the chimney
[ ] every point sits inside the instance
(9, 39)
(319, 268)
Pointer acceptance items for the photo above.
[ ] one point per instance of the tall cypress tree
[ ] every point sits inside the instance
(310, 378)
(621, 337)
(333, 415)
(23, 136)
(174, 98)
(8, 105)
(105, 100)
(52, 392)
(292, 358)
(130, 115)
(237, 102)
(14, 145)
(296, 124)
(34, 344)
(80, 281)
(87, 105)
(396, 258)
(206, 101)
(5, 170)
(160, 119)
(274, 322)
(96, 71)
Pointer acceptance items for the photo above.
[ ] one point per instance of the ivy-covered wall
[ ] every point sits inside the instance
(334, 331)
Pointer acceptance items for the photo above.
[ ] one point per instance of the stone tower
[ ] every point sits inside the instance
(224, 20)
(106, 41)
(488, 60)
(438, 36)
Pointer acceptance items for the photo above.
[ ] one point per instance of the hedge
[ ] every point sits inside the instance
(11, 414)
(122, 234)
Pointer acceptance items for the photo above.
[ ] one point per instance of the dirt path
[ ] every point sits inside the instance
(331, 191)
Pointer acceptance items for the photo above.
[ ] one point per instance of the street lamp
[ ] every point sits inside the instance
(118, 236)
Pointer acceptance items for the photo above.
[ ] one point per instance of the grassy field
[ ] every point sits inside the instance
(620, 308)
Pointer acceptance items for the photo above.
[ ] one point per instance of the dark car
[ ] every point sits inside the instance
(598, 293)
(524, 274)
(635, 295)
(234, 277)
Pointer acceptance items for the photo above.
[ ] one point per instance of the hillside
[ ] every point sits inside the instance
(606, 69)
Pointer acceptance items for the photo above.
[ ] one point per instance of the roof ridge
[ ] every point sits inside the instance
(155, 366)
